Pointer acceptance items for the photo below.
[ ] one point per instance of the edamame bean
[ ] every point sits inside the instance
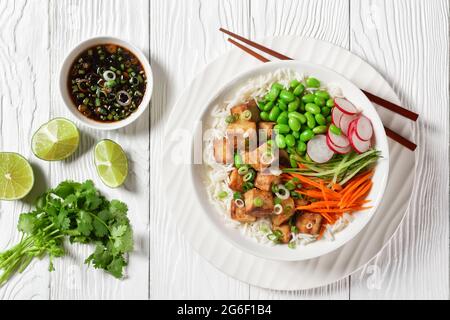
(287, 96)
(294, 83)
(268, 106)
(320, 119)
(312, 108)
(296, 134)
(326, 111)
(294, 124)
(280, 141)
(282, 105)
(301, 108)
(310, 121)
(329, 119)
(335, 130)
(299, 89)
(312, 82)
(282, 128)
(297, 115)
(308, 98)
(319, 129)
(264, 115)
(292, 106)
(306, 135)
(283, 118)
(274, 113)
(330, 103)
(290, 140)
(278, 85)
(301, 147)
(273, 93)
(322, 94)
(319, 101)
(261, 105)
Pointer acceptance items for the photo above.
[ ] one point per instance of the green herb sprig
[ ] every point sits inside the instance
(77, 211)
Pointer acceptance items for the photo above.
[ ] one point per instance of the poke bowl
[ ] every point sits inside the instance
(295, 161)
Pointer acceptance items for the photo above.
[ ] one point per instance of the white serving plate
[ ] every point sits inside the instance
(320, 247)
(212, 245)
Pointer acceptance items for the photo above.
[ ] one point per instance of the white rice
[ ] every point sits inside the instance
(217, 178)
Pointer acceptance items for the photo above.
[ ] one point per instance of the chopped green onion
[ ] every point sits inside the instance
(258, 202)
(222, 194)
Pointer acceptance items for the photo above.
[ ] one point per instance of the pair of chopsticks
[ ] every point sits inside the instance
(375, 99)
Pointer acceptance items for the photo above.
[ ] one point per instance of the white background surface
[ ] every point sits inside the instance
(406, 40)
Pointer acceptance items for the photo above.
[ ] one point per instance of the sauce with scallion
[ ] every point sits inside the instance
(107, 83)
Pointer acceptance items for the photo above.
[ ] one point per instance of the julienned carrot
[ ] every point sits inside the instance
(350, 189)
(317, 194)
(328, 218)
(363, 192)
(331, 211)
(311, 182)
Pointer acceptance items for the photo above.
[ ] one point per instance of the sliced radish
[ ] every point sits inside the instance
(318, 149)
(336, 116)
(337, 149)
(359, 145)
(345, 106)
(363, 128)
(340, 141)
(346, 119)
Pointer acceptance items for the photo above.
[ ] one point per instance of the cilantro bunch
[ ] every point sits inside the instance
(77, 211)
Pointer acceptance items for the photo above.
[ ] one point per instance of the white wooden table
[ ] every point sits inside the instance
(406, 40)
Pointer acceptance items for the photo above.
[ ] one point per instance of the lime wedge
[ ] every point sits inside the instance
(111, 162)
(56, 140)
(16, 176)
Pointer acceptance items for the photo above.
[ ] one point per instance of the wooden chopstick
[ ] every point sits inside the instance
(378, 100)
(390, 133)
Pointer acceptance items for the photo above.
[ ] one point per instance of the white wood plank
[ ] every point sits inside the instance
(326, 20)
(407, 41)
(184, 37)
(24, 104)
(70, 23)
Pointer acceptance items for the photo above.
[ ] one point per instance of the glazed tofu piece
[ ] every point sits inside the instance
(264, 181)
(236, 181)
(288, 212)
(223, 151)
(239, 214)
(285, 231)
(258, 203)
(251, 106)
(243, 134)
(259, 158)
(268, 127)
(300, 202)
(309, 223)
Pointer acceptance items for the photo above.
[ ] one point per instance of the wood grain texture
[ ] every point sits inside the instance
(70, 23)
(184, 37)
(24, 104)
(325, 20)
(407, 41)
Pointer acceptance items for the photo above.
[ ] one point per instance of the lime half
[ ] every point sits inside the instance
(56, 140)
(111, 162)
(16, 176)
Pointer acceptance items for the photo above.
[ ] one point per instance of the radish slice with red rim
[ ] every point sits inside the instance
(340, 141)
(337, 149)
(359, 145)
(318, 149)
(336, 116)
(345, 106)
(345, 122)
(363, 128)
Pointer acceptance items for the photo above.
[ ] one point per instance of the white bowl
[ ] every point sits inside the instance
(64, 89)
(317, 248)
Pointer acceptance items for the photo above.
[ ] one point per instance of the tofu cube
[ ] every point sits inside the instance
(267, 127)
(285, 231)
(223, 151)
(239, 214)
(251, 106)
(288, 212)
(264, 181)
(236, 181)
(243, 135)
(309, 223)
(258, 203)
(259, 158)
